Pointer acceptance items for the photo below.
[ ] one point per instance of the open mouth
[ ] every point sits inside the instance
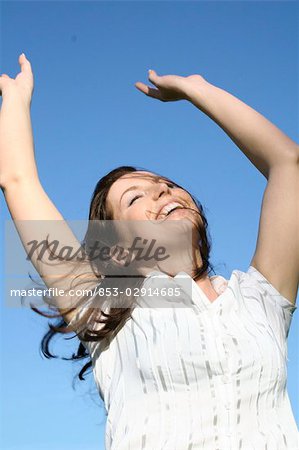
(169, 209)
(174, 209)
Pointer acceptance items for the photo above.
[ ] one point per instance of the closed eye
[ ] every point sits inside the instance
(169, 184)
(133, 199)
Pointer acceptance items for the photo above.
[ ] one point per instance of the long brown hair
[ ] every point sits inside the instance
(116, 317)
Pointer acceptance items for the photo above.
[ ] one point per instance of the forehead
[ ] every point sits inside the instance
(142, 175)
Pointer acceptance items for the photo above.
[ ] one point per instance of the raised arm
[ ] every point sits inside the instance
(34, 214)
(273, 153)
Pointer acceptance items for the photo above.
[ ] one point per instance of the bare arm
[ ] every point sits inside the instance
(276, 156)
(273, 153)
(33, 213)
(265, 145)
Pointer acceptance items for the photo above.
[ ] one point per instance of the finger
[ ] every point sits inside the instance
(147, 90)
(24, 63)
(142, 87)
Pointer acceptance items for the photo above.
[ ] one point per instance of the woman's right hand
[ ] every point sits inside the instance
(22, 85)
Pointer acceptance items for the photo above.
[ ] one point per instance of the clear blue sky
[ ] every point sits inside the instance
(89, 118)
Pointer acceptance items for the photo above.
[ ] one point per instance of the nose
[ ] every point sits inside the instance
(159, 189)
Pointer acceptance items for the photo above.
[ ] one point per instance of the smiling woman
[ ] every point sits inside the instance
(118, 188)
(181, 359)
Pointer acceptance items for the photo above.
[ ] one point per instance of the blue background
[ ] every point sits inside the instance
(89, 118)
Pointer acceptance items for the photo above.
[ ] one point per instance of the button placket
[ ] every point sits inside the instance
(222, 339)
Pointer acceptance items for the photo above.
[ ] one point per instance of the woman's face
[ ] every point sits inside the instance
(145, 196)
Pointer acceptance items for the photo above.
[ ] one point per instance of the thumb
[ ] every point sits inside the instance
(153, 77)
(25, 64)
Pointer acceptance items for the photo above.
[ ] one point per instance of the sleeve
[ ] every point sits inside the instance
(279, 309)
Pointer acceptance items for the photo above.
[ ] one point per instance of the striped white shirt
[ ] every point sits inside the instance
(187, 373)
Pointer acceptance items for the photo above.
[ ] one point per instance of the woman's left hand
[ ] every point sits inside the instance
(170, 88)
(22, 85)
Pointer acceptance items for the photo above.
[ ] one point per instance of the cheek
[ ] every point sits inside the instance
(138, 212)
(130, 213)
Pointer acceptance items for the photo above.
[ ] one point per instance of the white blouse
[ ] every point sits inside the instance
(187, 373)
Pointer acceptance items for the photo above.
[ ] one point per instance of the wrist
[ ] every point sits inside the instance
(197, 90)
(12, 95)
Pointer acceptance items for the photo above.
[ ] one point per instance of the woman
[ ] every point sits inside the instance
(206, 369)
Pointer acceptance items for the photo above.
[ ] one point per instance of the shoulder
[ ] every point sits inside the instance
(262, 301)
(256, 279)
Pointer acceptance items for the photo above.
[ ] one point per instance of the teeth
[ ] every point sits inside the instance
(171, 206)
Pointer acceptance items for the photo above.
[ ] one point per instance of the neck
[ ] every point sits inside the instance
(206, 286)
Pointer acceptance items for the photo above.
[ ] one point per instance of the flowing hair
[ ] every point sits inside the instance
(114, 320)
